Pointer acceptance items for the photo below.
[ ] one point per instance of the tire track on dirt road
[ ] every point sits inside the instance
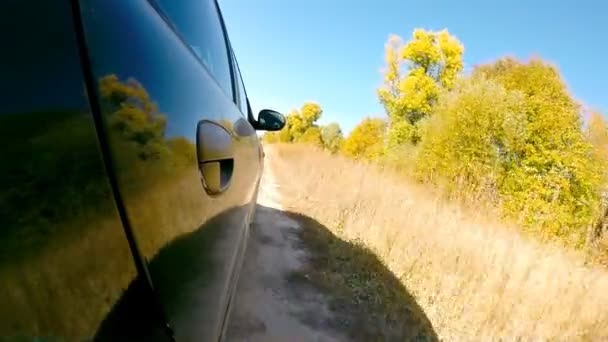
(268, 306)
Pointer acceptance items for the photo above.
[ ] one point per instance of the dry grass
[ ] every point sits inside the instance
(475, 278)
(367, 301)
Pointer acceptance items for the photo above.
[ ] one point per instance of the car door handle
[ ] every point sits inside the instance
(215, 154)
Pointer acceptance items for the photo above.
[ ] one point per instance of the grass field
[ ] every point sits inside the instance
(475, 278)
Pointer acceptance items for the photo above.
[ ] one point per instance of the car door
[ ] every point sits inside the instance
(65, 260)
(183, 153)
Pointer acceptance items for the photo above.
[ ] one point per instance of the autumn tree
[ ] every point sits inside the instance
(332, 137)
(132, 116)
(597, 135)
(136, 125)
(366, 141)
(300, 126)
(547, 176)
(472, 135)
(312, 136)
(415, 74)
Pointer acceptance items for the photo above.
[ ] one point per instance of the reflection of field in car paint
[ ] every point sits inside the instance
(56, 208)
(78, 256)
(63, 247)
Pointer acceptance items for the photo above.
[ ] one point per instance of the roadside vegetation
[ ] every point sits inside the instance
(475, 278)
(484, 191)
(367, 301)
(507, 133)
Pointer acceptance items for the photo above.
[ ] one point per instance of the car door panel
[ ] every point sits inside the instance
(153, 91)
(65, 261)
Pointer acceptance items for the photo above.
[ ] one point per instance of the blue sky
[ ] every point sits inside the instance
(332, 51)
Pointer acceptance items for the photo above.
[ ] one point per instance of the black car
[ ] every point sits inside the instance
(129, 173)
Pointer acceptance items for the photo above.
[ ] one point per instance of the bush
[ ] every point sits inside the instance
(311, 136)
(512, 132)
(469, 138)
(366, 141)
(332, 137)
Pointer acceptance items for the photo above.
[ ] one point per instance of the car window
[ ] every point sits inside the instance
(242, 100)
(199, 24)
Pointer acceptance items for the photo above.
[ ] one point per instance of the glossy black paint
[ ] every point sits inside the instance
(189, 199)
(64, 256)
(108, 228)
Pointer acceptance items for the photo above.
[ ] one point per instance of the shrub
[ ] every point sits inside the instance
(332, 137)
(366, 141)
(512, 132)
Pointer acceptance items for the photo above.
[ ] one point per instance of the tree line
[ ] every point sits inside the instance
(508, 131)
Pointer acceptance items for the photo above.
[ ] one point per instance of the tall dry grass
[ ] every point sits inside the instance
(475, 278)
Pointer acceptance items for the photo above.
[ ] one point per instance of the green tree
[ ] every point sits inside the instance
(366, 141)
(332, 137)
(431, 60)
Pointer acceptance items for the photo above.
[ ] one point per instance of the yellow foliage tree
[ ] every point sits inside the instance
(471, 135)
(516, 136)
(312, 136)
(366, 141)
(432, 61)
(597, 135)
(137, 131)
(298, 125)
(133, 117)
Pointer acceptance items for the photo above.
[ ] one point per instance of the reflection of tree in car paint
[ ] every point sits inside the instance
(137, 126)
(55, 204)
(147, 161)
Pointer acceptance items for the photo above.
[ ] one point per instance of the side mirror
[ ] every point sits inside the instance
(270, 120)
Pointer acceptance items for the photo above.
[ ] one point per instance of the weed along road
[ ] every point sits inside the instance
(269, 304)
(301, 282)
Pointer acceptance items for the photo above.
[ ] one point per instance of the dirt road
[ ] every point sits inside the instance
(268, 305)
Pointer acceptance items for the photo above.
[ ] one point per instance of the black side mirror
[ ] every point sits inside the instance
(270, 120)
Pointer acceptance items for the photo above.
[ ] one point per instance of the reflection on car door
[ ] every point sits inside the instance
(184, 156)
(65, 261)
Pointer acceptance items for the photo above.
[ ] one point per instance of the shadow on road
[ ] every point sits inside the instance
(369, 303)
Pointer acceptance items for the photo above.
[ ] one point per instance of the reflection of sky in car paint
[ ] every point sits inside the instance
(54, 88)
(199, 53)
